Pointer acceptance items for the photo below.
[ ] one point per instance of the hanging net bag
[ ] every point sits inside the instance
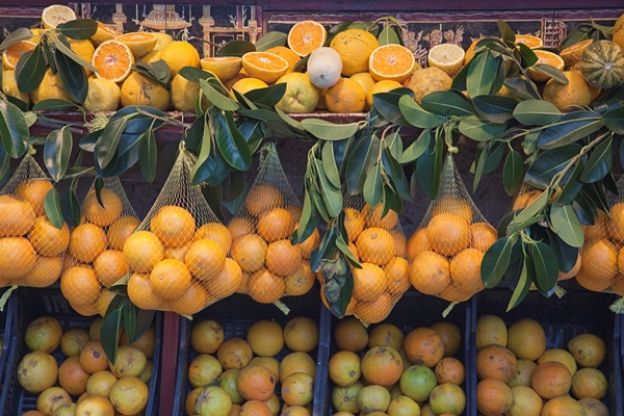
(95, 259)
(178, 257)
(446, 250)
(272, 266)
(32, 249)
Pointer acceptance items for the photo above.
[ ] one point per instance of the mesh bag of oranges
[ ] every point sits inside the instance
(272, 265)
(95, 260)
(377, 241)
(446, 250)
(32, 249)
(178, 257)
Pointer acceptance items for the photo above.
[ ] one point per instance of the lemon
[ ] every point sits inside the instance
(84, 49)
(9, 86)
(300, 96)
(51, 87)
(365, 80)
(103, 95)
(179, 54)
(151, 57)
(140, 90)
(103, 33)
(56, 14)
(381, 86)
(140, 43)
(224, 67)
(162, 40)
(184, 94)
(446, 56)
(245, 85)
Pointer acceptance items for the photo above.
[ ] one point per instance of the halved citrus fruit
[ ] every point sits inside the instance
(12, 54)
(287, 54)
(103, 33)
(572, 54)
(113, 60)
(446, 56)
(392, 62)
(305, 37)
(545, 57)
(265, 66)
(140, 43)
(224, 67)
(531, 41)
(57, 14)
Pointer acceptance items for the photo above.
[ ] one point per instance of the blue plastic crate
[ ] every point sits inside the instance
(7, 323)
(33, 303)
(579, 311)
(412, 311)
(236, 314)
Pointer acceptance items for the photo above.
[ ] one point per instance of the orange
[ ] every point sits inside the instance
(13, 53)
(119, 231)
(344, 368)
(110, 267)
(265, 287)
(616, 225)
(448, 233)
(34, 192)
(482, 236)
(301, 281)
(261, 198)
(346, 96)
(265, 338)
(46, 271)
(216, 232)
(524, 199)
(598, 265)
(255, 408)
(265, 66)
(234, 353)
(72, 377)
(494, 361)
(589, 383)
(563, 405)
(287, 54)
(256, 383)
(551, 379)
(494, 397)
(454, 294)
(369, 282)
(297, 389)
(205, 259)
(249, 251)
(354, 47)
(450, 335)
(113, 60)
(391, 62)
(50, 400)
(353, 223)
(43, 334)
(177, 252)
(545, 57)
(365, 80)
(430, 273)
(239, 226)
(99, 383)
(141, 292)
(206, 337)
(382, 366)
(170, 278)
(269, 363)
(224, 67)
(375, 245)
(174, 226)
(450, 370)
(275, 224)
(80, 286)
(204, 370)
(19, 217)
(374, 217)
(310, 244)
(617, 284)
(104, 301)
(179, 54)
(599, 229)
(102, 214)
(374, 311)
(283, 258)
(17, 258)
(397, 275)
(93, 358)
(526, 339)
(400, 243)
(227, 281)
(588, 350)
(417, 243)
(572, 54)
(423, 346)
(567, 97)
(382, 86)
(465, 270)
(306, 36)
(453, 205)
(139, 89)
(103, 33)
(87, 242)
(48, 240)
(140, 43)
(350, 335)
(129, 395)
(386, 335)
(296, 362)
(301, 334)
(95, 405)
(142, 251)
(531, 41)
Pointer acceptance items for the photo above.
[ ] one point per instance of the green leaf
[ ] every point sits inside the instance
(387, 105)
(496, 261)
(614, 120)
(551, 72)
(428, 168)
(52, 208)
(56, 152)
(388, 35)
(522, 88)
(216, 98)
(536, 112)
(62, 46)
(270, 40)
(325, 130)
(14, 37)
(570, 128)
(415, 115)
(157, 71)
(547, 164)
(73, 77)
(566, 224)
(70, 207)
(373, 185)
(14, 132)
(53, 105)
(108, 142)
(572, 186)
(78, 29)
(513, 171)
(494, 108)
(236, 48)
(396, 175)
(448, 103)
(231, 144)
(599, 163)
(528, 57)
(529, 215)
(481, 76)
(545, 265)
(331, 195)
(148, 156)
(268, 96)
(195, 74)
(523, 285)
(342, 246)
(479, 130)
(364, 150)
(506, 32)
(417, 148)
(30, 70)
(111, 330)
(329, 164)
(307, 222)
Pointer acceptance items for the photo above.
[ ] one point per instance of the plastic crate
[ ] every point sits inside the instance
(33, 303)
(575, 313)
(7, 323)
(236, 314)
(412, 311)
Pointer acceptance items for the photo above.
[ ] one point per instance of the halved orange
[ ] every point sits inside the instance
(531, 41)
(287, 54)
(140, 43)
(224, 67)
(392, 62)
(113, 60)
(572, 54)
(545, 57)
(265, 66)
(12, 54)
(305, 37)
(103, 33)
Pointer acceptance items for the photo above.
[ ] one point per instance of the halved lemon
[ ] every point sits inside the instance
(572, 54)
(545, 57)
(531, 41)
(56, 14)
(140, 43)
(265, 66)
(305, 37)
(113, 60)
(224, 67)
(162, 40)
(103, 33)
(446, 56)
(12, 54)
(391, 62)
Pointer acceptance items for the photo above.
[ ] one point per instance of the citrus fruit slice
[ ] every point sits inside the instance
(545, 57)
(304, 37)
(287, 54)
(446, 56)
(113, 60)
(572, 54)
(12, 54)
(140, 43)
(531, 41)
(392, 62)
(224, 67)
(103, 33)
(56, 14)
(265, 66)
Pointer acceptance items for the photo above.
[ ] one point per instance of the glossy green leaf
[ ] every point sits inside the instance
(551, 72)
(529, 58)
(545, 265)
(417, 148)
(599, 163)
(216, 98)
(108, 142)
(373, 185)
(387, 105)
(496, 261)
(329, 164)
(195, 74)
(326, 130)
(270, 40)
(111, 330)
(522, 88)
(536, 112)
(268, 96)
(236, 48)
(523, 285)
(479, 130)
(52, 208)
(157, 71)
(513, 171)
(450, 103)
(566, 224)
(62, 46)
(307, 222)
(343, 247)
(614, 120)
(572, 185)
(73, 77)
(231, 144)
(417, 116)
(529, 215)
(388, 35)
(56, 152)
(547, 164)
(394, 143)
(428, 168)
(398, 181)
(78, 29)
(148, 156)
(364, 151)
(481, 75)
(14, 132)
(506, 32)
(53, 105)
(570, 128)
(14, 37)
(331, 195)
(30, 70)
(494, 108)
(70, 207)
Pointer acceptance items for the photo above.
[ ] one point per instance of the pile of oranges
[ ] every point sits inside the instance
(398, 374)
(95, 260)
(85, 382)
(268, 373)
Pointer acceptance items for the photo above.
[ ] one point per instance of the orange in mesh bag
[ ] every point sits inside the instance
(272, 266)
(447, 248)
(31, 247)
(178, 257)
(95, 260)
